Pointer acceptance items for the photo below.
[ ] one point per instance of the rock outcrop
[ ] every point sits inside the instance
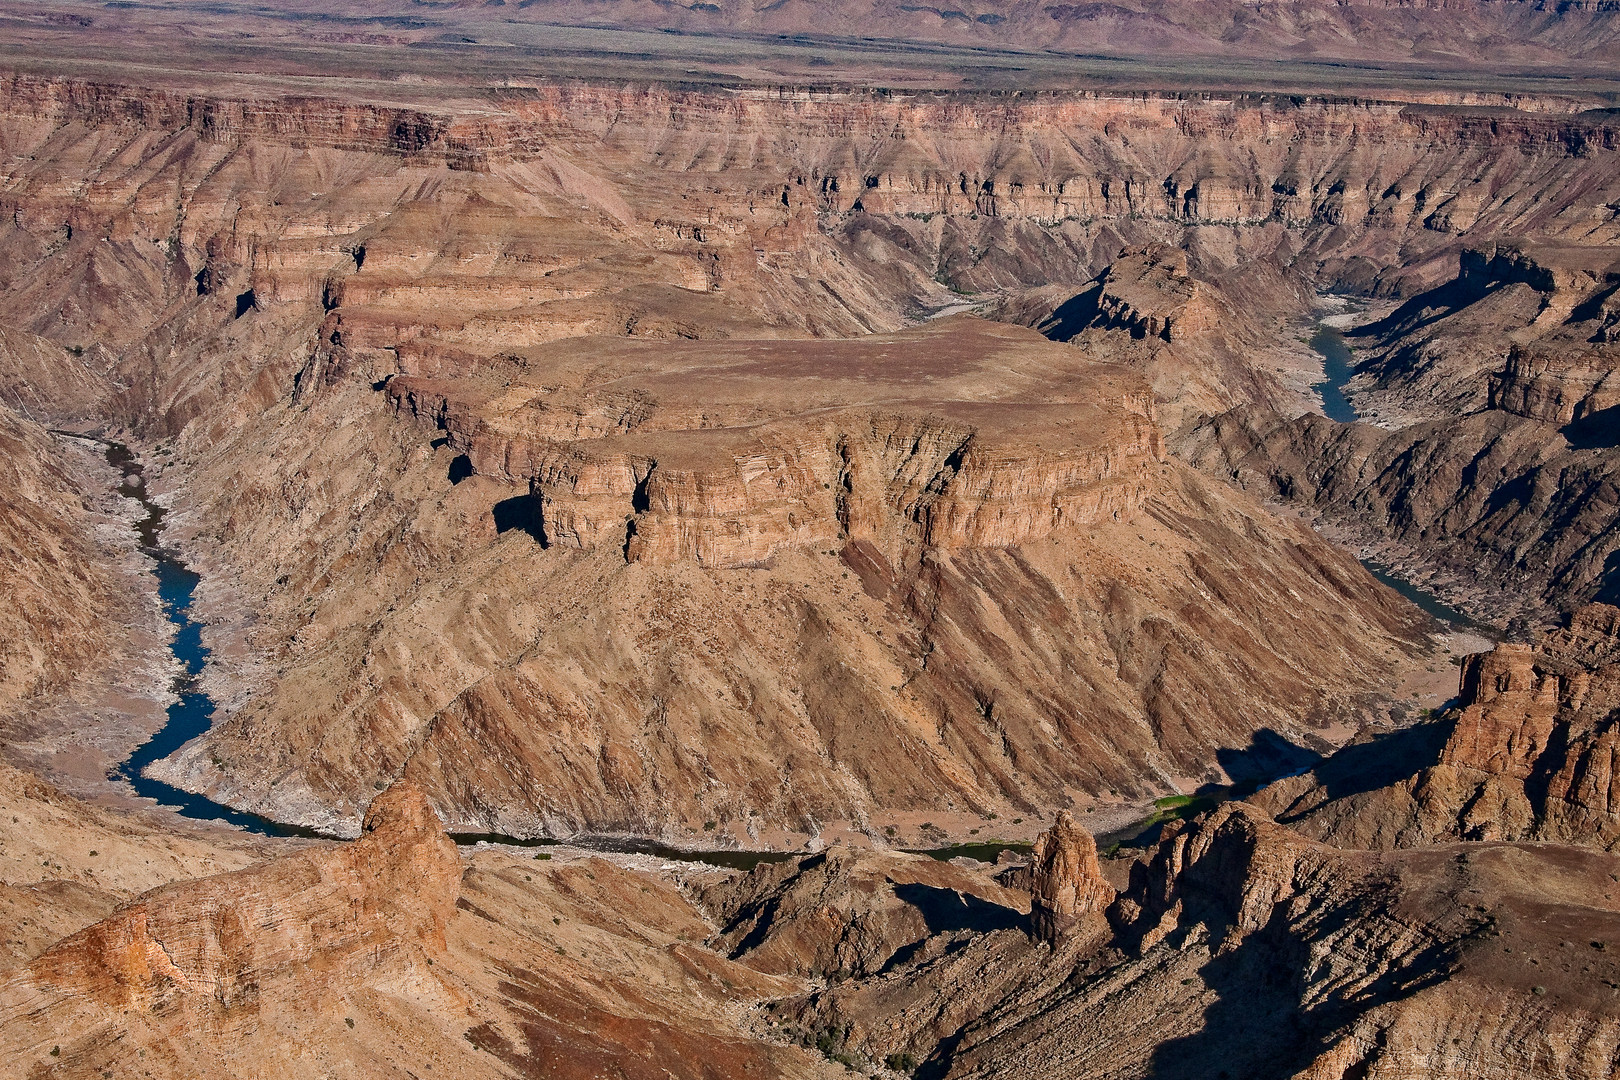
(1530, 754)
(1249, 950)
(1239, 946)
(1206, 342)
(214, 944)
(373, 959)
(846, 913)
(1066, 881)
(1519, 318)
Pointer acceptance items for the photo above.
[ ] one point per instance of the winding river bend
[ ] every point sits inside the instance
(193, 711)
(1338, 366)
(192, 714)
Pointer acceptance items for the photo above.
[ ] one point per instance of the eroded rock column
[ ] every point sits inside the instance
(1066, 880)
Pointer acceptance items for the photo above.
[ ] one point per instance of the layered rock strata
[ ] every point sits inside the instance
(943, 569)
(1249, 950)
(1066, 882)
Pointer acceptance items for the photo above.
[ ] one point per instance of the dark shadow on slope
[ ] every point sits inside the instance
(521, 512)
(1429, 307)
(1609, 590)
(946, 910)
(760, 931)
(1269, 756)
(1073, 315)
(460, 468)
(1383, 759)
(1256, 1029)
(1598, 431)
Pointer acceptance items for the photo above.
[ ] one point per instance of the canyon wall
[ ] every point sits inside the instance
(61, 604)
(1528, 754)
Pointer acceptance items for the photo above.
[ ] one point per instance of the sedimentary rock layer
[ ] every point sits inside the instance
(340, 311)
(770, 584)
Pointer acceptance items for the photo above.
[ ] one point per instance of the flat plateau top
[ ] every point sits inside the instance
(698, 398)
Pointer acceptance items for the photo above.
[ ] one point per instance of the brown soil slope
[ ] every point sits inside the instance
(382, 958)
(59, 604)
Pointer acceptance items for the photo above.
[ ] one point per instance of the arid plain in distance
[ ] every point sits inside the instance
(765, 538)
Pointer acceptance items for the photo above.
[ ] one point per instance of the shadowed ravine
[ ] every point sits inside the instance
(1338, 366)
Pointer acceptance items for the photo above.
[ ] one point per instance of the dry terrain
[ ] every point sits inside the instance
(659, 476)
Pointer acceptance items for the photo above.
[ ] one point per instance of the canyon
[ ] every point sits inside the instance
(788, 540)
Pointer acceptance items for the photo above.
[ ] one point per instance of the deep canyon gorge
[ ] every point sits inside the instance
(697, 540)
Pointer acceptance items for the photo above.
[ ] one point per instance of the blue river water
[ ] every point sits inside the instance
(193, 711)
(1338, 364)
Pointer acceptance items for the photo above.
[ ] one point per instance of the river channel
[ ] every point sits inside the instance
(1338, 366)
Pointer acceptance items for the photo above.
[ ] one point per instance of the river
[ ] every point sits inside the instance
(192, 712)
(1338, 366)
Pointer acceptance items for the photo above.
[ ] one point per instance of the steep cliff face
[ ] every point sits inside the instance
(1530, 755)
(725, 454)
